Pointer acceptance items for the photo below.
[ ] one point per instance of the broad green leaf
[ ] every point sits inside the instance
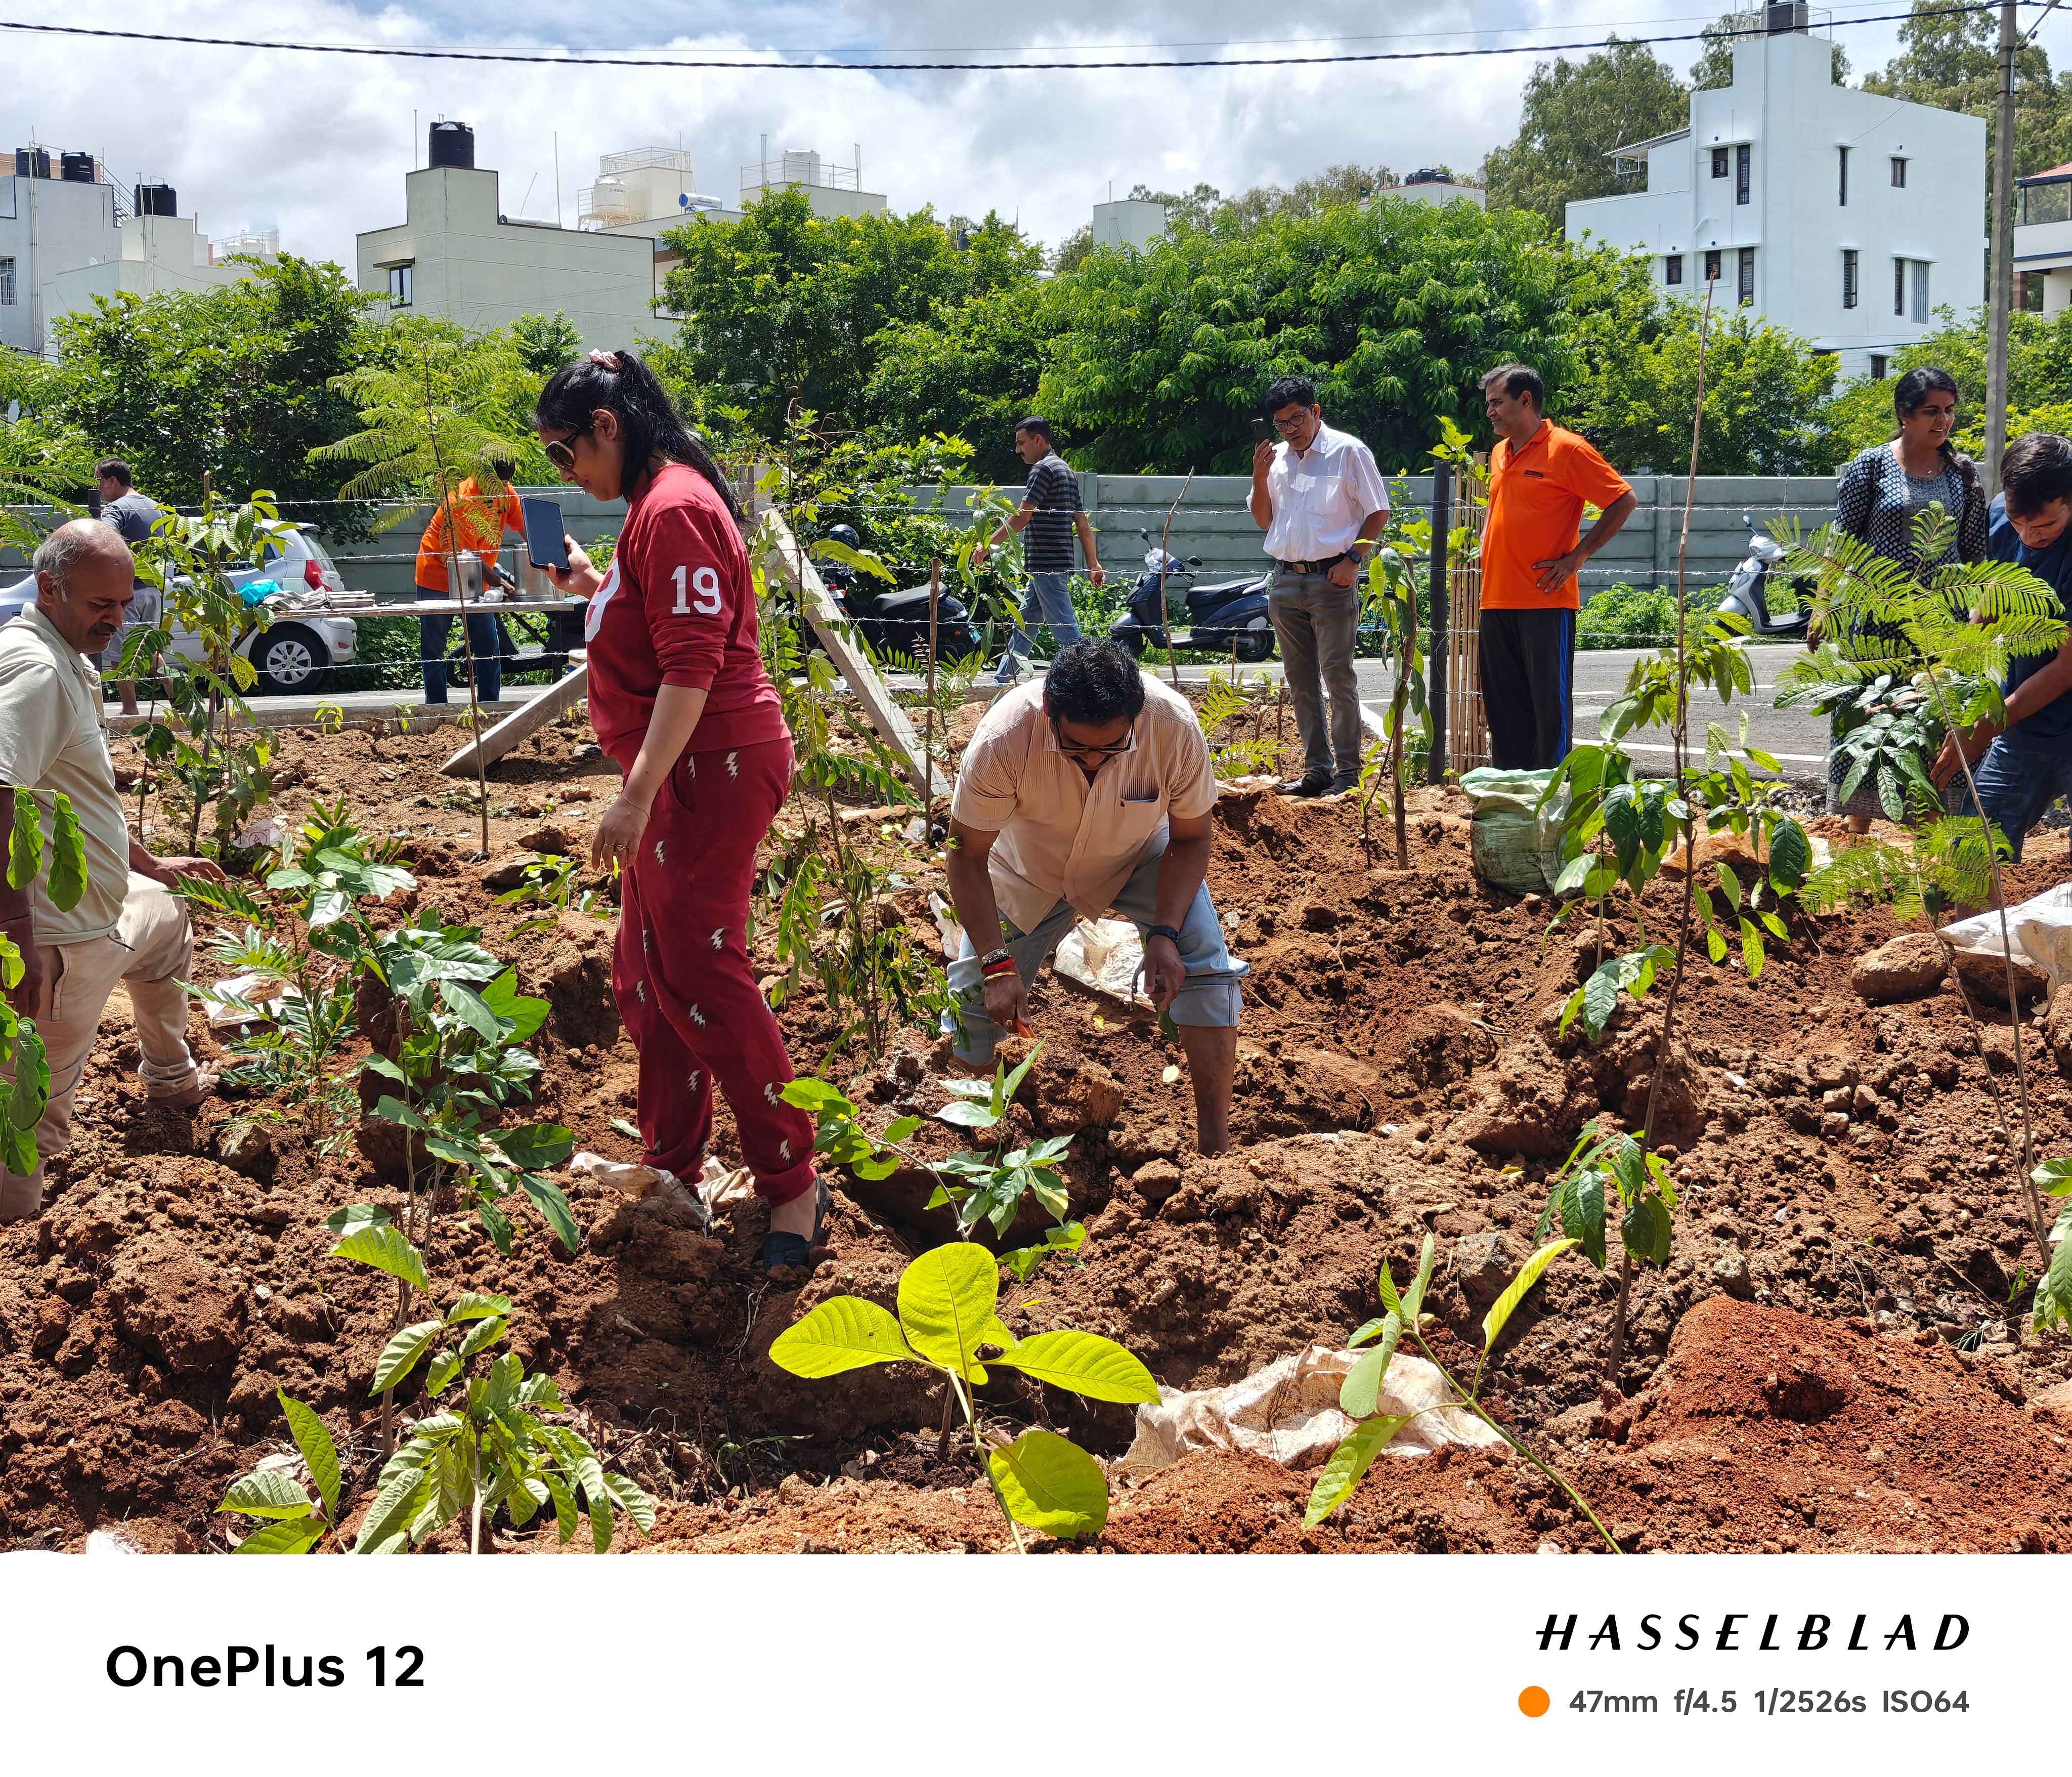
(1601, 997)
(381, 1244)
(814, 1095)
(477, 1306)
(526, 1013)
(1361, 1391)
(1752, 954)
(1050, 1484)
(1372, 1329)
(538, 1147)
(553, 1206)
(1730, 885)
(266, 1493)
(2053, 1289)
(602, 1517)
(1716, 946)
(392, 1109)
(1414, 1303)
(900, 1130)
(1348, 1464)
(289, 1537)
(68, 881)
(1790, 854)
(399, 1355)
(1586, 1197)
(2055, 1177)
(1646, 1230)
(946, 1297)
(843, 1333)
(1505, 1304)
(1012, 1083)
(958, 1087)
(564, 1505)
(1385, 1282)
(25, 844)
(441, 1371)
(483, 1334)
(31, 1093)
(636, 1503)
(467, 1005)
(395, 1505)
(966, 1115)
(318, 1449)
(1084, 1363)
(495, 1223)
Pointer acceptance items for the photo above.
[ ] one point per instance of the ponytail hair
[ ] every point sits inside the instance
(618, 382)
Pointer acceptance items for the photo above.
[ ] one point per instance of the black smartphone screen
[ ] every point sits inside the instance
(546, 537)
(1261, 431)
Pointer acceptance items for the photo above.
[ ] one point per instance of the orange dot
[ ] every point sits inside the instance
(1532, 1701)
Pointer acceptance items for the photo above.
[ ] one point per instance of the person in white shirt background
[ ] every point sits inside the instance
(1319, 498)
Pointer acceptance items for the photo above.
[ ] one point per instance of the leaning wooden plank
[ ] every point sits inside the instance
(836, 635)
(558, 699)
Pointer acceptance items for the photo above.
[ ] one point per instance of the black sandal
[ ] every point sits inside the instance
(781, 1249)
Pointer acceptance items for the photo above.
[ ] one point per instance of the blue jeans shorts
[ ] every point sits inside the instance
(2017, 783)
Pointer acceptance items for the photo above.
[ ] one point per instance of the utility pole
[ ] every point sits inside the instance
(2000, 298)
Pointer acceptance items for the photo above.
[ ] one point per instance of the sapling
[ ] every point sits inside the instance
(1392, 595)
(949, 1319)
(291, 1522)
(549, 883)
(1359, 1395)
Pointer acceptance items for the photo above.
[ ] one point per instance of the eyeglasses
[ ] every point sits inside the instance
(1286, 427)
(1126, 744)
(561, 452)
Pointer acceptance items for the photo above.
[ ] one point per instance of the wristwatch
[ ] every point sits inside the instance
(992, 956)
(1165, 932)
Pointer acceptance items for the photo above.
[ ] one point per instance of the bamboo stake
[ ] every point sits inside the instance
(928, 740)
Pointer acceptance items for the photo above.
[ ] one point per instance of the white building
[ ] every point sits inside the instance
(1844, 217)
(1428, 185)
(1128, 222)
(2043, 241)
(457, 256)
(831, 191)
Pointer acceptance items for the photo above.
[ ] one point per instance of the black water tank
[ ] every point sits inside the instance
(158, 200)
(32, 163)
(79, 168)
(452, 144)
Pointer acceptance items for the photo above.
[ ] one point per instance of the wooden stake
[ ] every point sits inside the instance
(928, 741)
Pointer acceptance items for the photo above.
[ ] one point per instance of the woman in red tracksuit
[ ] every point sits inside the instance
(678, 697)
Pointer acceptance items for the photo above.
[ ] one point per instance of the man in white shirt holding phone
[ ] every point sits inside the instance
(1319, 498)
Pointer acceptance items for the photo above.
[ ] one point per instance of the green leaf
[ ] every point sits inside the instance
(1348, 1464)
(967, 1116)
(477, 1306)
(958, 1087)
(441, 1371)
(1050, 1484)
(1601, 997)
(2053, 1289)
(947, 1297)
(814, 1094)
(1505, 1304)
(1716, 946)
(395, 1505)
(602, 1517)
(2055, 1178)
(318, 1449)
(900, 1130)
(382, 1245)
(1012, 1083)
(843, 1333)
(1751, 955)
(1730, 885)
(504, 1001)
(553, 1205)
(266, 1493)
(1361, 1390)
(399, 1355)
(467, 1005)
(1414, 1303)
(483, 1334)
(32, 1093)
(535, 1148)
(290, 1536)
(68, 881)
(1084, 1363)
(1790, 854)
(25, 844)
(1646, 1230)
(1385, 1283)
(632, 1499)
(564, 1505)
(1372, 1329)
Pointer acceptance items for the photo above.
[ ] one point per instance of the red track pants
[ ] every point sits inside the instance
(681, 976)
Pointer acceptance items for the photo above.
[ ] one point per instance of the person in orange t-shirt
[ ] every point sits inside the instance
(470, 520)
(1541, 476)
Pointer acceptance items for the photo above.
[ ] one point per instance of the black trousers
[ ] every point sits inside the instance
(1526, 662)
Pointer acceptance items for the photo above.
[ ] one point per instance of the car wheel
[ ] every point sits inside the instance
(291, 659)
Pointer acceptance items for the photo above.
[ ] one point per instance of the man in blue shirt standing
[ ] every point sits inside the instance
(2028, 764)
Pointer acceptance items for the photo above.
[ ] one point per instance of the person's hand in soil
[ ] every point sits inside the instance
(618, 835)
(1164, 973)
(580, 578)
(1965, 748)
(1007, 1000)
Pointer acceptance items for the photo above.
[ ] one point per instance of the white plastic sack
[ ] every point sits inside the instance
(1106, 955)
(1289, 1413)
(646, 1183)
(2040, 927)
(946, 924)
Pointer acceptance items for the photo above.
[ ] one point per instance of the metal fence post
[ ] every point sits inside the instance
(1435, 654)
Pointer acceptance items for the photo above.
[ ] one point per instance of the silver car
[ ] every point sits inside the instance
(296, 652)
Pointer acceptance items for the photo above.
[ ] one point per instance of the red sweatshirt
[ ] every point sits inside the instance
(677, 607)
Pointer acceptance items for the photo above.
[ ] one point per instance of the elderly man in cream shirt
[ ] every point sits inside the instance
(125, 927)
(1089, 791)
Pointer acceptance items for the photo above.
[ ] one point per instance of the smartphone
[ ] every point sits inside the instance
(546, 536)
(1262, 431)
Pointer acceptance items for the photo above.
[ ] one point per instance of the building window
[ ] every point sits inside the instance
(1899, 286)
(1741, 174)
(1920, 304)
(399, 284)
(1848, 278)
(1899, 170)
(1845, 178)
(1747, 276)
(1713, 266)
(1672, 269)
(2032, 292)
(6, 283)
(1877, 367)
(1719, 163)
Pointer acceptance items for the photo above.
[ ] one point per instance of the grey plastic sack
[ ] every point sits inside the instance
(1514, 843)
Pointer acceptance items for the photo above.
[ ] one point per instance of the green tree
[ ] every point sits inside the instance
(236, 384)
(1715, 65)
(1574, 114)
(1948, 58)
(2039, 380)
(1207, 207)
(1765, 397)
(546, 342)
(781, 309)
(1394, 311)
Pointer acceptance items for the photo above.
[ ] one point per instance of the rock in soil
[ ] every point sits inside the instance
(250, 1149)
(1902, 969)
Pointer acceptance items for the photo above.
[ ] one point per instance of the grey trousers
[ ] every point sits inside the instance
(1316, 621)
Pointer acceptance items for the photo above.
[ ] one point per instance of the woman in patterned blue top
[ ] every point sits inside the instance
(1884, 489)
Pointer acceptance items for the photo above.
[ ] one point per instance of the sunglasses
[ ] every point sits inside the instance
(561, 452)
(1126, 744)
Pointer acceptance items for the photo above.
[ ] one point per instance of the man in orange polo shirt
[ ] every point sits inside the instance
(1541, 476)
(471, 519)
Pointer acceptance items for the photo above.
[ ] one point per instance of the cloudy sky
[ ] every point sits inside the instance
(316, 146)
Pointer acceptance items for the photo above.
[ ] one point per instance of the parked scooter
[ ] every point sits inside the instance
(1748, 598)
(1227, 616)
(896, 622)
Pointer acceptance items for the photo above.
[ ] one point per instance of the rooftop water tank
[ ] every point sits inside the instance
(158, 200)
(79, 168)
(451, 144)
(32, 163)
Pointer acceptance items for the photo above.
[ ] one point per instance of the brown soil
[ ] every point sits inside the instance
(1792, 1378)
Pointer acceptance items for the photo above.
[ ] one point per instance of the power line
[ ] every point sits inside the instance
(779, 67)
